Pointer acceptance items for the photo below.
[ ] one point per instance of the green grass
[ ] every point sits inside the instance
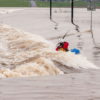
(14, 3)
(26, 3)
(55, 4)
(80, 4)
(64, 4)
(98, 4)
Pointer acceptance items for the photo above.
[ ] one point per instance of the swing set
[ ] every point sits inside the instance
(91, 7)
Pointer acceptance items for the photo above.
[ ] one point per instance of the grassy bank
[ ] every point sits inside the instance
(64, 4)
(14, 3)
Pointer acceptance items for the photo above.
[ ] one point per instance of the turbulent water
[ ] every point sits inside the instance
(24, 54)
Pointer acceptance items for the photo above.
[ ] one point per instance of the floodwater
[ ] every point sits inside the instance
(24, 54)
(92, 51)
(87, 42)
(31, 22)
(88, 47)
(73, 86)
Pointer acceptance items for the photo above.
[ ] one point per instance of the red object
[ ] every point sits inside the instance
(66, 44)
(56, 49)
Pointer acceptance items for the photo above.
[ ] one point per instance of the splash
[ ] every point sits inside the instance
(24, 54)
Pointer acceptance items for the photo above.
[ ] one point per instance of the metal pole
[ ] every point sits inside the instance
(91, 28)
(91, 23)
(72, 10)
(72, 16)
(50, 9)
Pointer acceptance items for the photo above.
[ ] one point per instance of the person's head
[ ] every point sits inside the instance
(63, 45)
(60, 45)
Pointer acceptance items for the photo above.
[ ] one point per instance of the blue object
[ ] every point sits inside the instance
(76, 51)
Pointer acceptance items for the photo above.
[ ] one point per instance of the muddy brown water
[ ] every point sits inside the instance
(72, 86)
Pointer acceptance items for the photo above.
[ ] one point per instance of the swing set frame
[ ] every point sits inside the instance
(72, 14)
(72, 17)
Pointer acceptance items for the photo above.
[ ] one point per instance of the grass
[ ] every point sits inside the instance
(64, 4)
(80, 4)
(14, 3)
(26, 3)
(98, 4)
(55, 4)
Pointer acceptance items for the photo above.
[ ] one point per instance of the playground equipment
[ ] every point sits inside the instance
(91, 7)
(72, 16)
(50, 9)
(56, 24)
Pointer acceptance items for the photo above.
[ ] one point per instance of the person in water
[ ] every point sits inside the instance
(62, 46)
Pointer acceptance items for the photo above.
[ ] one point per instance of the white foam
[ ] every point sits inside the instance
(24, 54)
